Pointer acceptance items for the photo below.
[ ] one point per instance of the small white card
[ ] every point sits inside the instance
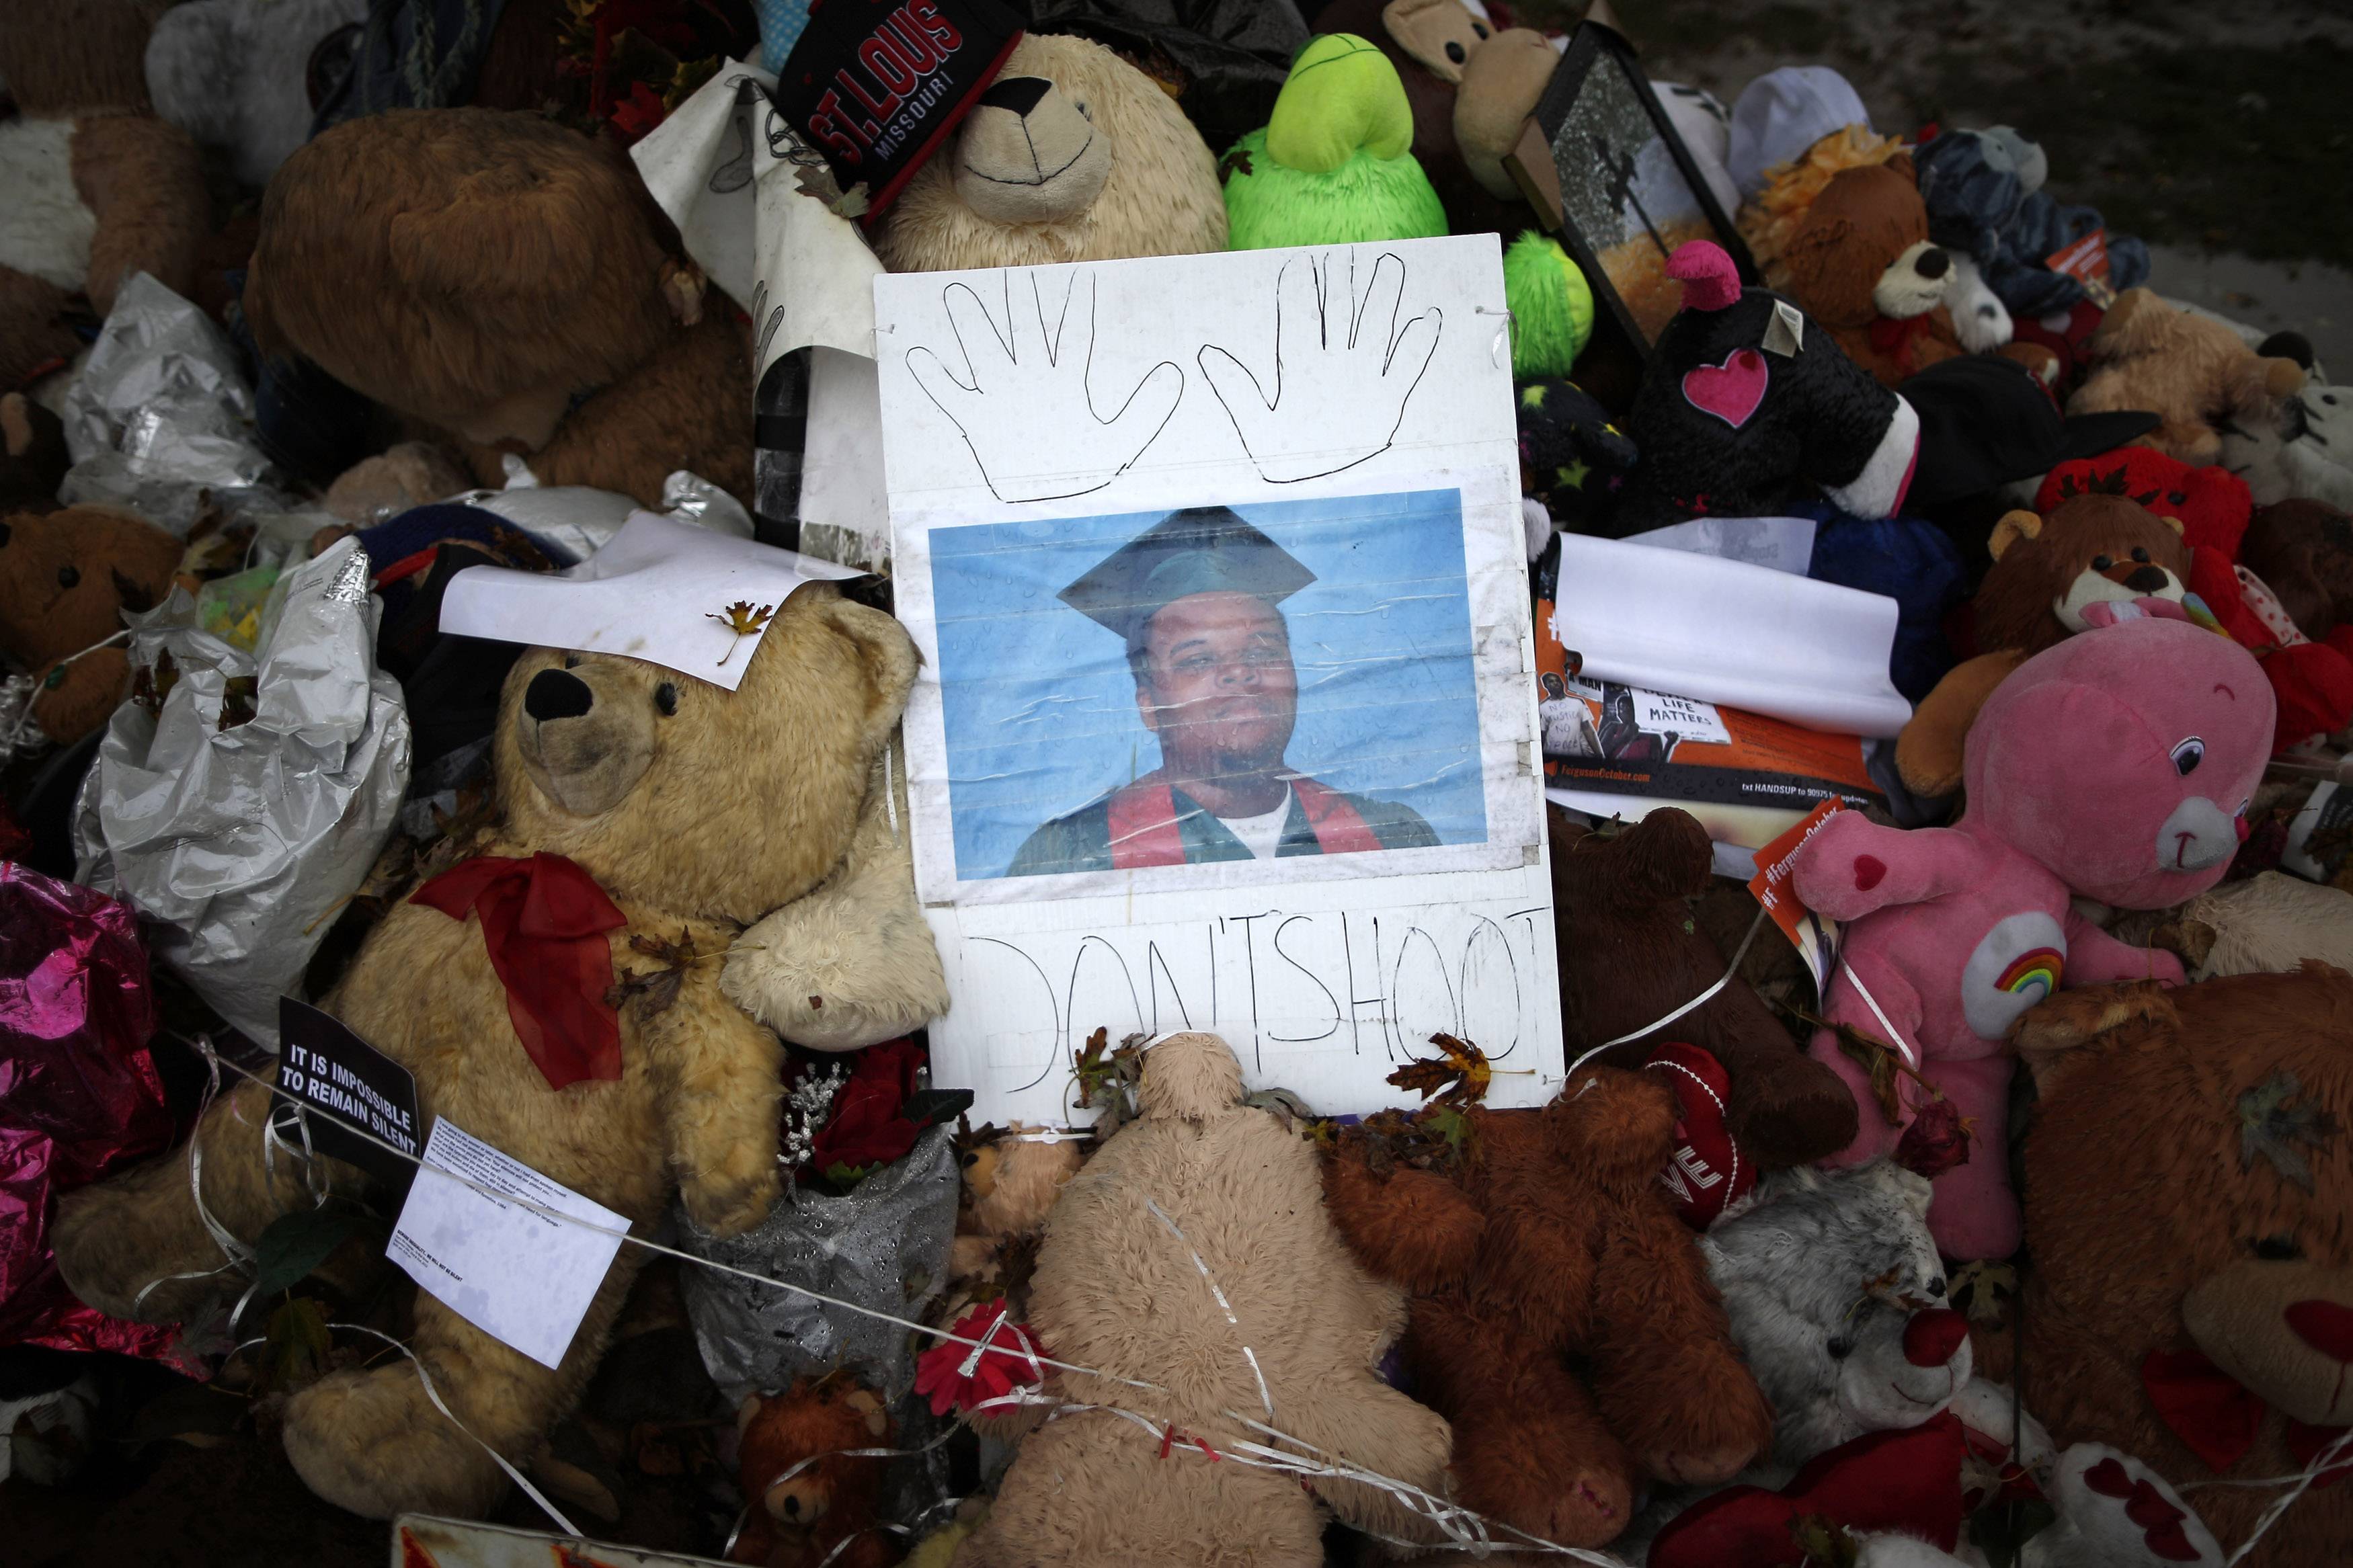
(517, 1275)
(660, 590)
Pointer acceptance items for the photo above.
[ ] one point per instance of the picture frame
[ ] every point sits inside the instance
(1600, 162)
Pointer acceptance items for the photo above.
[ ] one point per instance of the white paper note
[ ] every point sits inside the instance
(519, 1276)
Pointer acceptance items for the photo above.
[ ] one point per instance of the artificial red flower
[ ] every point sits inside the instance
(1936, 1139)
(998, 1370)
(868, 1125)
(638, 114)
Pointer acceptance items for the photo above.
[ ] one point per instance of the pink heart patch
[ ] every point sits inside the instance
(1731, 391)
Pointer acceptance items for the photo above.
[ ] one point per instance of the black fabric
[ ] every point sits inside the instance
(1984, 422)
(1234, 54)
(411, 54)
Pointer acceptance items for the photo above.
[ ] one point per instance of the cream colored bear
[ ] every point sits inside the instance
(697, 811)
(1201, 1183)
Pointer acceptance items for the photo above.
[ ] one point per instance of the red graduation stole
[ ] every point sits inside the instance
(544, 922)
(1143, 822)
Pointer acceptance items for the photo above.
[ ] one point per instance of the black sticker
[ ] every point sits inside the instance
(345, 1082)
(876, 85)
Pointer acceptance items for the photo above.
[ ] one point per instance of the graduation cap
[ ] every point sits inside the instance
(1201, 549)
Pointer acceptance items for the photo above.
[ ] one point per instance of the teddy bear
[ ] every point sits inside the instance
(2186, 1181)
(1333, 165)
(506, 283)
(2303, 550)
(636, 807)
(1742, 410)
(809, 1503)
(2116, 766)
(2094, 559)
(99, 188)
(1984, 192)
(1070, 154)
(2194, 372)
(2306, 455)
(1011, 1177)
(1562, 1316)
(236, 74)
(1629, 954)
(1194, 1257)
(34, 457)
(65, 579)
(1471, 86)
(2312, 679)
(1861, 265)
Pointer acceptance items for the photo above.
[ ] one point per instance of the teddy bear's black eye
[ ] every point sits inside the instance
(2102, 563)
(1085, 112)
(68, 577)
(2140, 553)
(2187, 756)
(666, 698)
(2278, 1249)
(1841, 1347)
(1479, 28)
(1455, 52)
(571, 661)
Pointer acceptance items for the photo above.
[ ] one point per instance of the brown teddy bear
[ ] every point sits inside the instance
(1861, 265)
(2188, 1195)
(819, 1515)
(1193, 1254)
(2303, 550)
(98, 187)
(1631, 952)
(1072, 154)
(508, 283)
(2192, 370)
(1010, 1182)
(65, 578)
(2096, 559)
(1563, 1320)
(694, 811)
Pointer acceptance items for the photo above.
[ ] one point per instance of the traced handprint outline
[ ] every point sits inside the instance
(1320, 419)
(1059, 446)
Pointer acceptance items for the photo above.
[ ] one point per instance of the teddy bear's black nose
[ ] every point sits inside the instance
(553, 694)
(1018, 94)
(2148, 580)
(1932, 263)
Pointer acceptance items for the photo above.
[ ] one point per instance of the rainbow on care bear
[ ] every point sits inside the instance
(2116, 766)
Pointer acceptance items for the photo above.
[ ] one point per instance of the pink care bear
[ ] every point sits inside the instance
(2116, 766)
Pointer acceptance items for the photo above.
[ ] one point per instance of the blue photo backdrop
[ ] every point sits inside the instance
(1040, 705)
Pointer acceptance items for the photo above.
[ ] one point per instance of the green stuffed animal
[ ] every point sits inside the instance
(1333, 165)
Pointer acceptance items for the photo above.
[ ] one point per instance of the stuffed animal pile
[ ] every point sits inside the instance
(1947, 1155)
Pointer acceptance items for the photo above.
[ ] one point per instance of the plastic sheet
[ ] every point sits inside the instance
(884, 1245)
(1234, 53)
(584, 520)
(162, 414)
(243, 835)
(79, 1093)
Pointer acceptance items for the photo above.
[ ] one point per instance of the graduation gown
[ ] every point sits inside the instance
(1152, 824)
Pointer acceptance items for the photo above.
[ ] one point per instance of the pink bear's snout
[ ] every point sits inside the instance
(2200, 835)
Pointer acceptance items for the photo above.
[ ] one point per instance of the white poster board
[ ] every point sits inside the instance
(1226, 717)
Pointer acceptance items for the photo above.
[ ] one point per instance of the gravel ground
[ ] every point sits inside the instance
(2217, 132)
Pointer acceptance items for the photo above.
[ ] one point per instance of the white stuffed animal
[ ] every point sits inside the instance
(236, 73)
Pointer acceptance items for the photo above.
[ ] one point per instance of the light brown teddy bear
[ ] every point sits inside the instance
(1201, 1183)
(2195, 373)
(497, 278)
(65, 578)
(695, 811)
(1072, 154)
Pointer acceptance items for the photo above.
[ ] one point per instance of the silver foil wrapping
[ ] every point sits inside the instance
(160, 414)
(884, 1246)
(241, 841)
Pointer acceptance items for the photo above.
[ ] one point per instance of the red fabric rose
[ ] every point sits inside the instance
(1936, 1139)
(955, 1375)
(868, 1125)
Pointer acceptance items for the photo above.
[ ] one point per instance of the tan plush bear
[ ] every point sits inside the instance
(1118, 1289)
(1073, 154)
(2191, 371)
(695, 811)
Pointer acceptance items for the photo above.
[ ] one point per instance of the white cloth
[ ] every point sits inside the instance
(1262, 833)
(1783, 112)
